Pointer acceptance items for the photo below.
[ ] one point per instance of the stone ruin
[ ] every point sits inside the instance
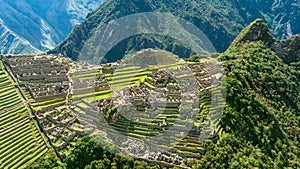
(140, 149)
(82, 86)
(49, 91)
(60, 126)
(43, 75)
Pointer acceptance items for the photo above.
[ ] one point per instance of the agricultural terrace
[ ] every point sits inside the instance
(134, 83)
(43, 80)
(69, 100)
(21, 141)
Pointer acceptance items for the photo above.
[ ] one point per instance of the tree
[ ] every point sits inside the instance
(86, 151)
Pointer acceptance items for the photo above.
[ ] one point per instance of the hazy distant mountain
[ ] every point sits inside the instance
(12, 43)
(220, 20)
(29, 26)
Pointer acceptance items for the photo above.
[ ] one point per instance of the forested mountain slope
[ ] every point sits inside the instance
(261, 122)
(221, 21)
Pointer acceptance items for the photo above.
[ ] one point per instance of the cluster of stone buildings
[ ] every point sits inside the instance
(44, 76)
(142, 150)
(60, 126)
(93, 84)
(164, 96)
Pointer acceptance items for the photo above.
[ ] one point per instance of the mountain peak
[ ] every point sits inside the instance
(255, 31)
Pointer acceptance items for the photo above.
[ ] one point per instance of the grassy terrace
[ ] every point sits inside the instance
(127, 77)
(122, 77)
(86, 76)
(20, 140)
(50, 106)
(145, 126)
(27, 93)
(133, 75)
(49, 103)
(21, 143)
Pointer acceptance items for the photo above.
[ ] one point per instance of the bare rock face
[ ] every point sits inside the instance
(34, 27)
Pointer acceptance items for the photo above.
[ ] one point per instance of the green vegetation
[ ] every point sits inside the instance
(259, 128)
(260, 124)
(88, 154)
(20, 140)
(219, 20)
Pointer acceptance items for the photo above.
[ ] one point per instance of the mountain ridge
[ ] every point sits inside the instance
(11, 43)
(41, 24)
(213, 18)
(288, 50)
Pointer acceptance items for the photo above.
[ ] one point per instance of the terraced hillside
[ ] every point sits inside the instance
(44, 82)
(68, 100)
(21, 142)
(106, 86)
